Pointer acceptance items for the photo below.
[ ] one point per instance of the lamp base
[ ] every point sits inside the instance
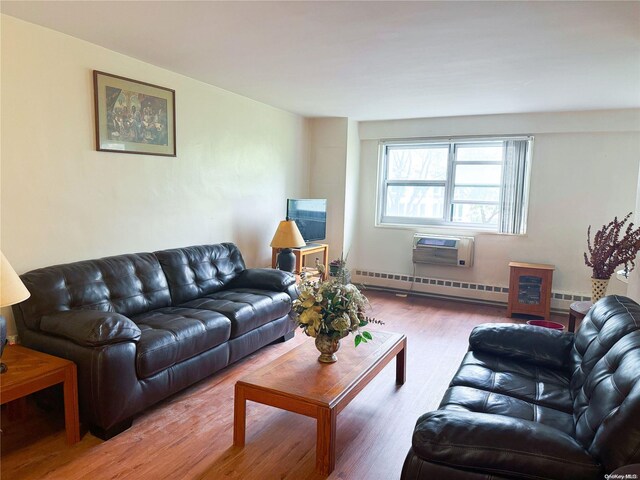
(286, 260)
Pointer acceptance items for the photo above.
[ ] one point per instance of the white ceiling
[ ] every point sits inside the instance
(377, 60)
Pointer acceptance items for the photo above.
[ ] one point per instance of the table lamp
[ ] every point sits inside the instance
(287, 237)
(12, 291)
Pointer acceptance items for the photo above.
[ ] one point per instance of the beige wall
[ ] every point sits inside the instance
(352, 187)
(584, 171)
(334, 175)
(328, 138)
(238, 160)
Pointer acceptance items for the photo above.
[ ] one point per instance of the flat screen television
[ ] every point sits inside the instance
(310, 214)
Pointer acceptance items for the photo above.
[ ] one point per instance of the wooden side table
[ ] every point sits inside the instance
(301, 253)
(30, 371)
(577, 311)
(530, 289)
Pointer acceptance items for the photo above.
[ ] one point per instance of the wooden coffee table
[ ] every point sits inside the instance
(30, 371)
(297, 382)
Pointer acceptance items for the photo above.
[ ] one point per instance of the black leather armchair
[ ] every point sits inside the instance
(141, 327)
(529, 402)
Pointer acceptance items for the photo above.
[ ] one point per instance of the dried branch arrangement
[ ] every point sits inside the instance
(608, 250)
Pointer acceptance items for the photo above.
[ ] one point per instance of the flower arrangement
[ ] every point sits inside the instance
(334, 309)
(608, 250)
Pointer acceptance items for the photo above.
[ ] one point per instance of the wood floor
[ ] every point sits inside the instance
(189, 436)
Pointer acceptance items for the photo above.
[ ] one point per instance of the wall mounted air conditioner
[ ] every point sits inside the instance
(443, 250)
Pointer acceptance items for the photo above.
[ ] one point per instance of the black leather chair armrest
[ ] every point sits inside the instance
(264, 279)
(500, 445)
(542, 346)
(91, 328)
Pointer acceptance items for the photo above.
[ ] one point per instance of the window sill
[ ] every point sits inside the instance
(445, 229)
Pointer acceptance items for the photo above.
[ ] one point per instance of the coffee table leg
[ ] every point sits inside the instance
(71, 420)
(326, 441)
(401, 365)
(239, 416)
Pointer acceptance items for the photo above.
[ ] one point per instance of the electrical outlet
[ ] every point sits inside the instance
(13, 339)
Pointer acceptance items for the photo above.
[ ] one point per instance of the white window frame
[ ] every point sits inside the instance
(446, 220)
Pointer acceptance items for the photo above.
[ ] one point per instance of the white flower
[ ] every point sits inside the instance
(341, 323)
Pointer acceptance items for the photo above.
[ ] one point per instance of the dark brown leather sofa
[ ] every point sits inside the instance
(533, 403)
(141, 327)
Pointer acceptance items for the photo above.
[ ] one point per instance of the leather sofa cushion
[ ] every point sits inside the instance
(538, 385)
(194, 272)
(415, 468)
(527, 343)
(496, 444)
(91, 328)
(482, 401)
(126, 284)
(263, 279)
(172, 335)
(247, 309)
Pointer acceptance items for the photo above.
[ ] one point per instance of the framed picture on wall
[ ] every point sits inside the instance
(133, 116)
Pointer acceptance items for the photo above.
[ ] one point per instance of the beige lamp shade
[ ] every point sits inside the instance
(287, 236)
(12, 290)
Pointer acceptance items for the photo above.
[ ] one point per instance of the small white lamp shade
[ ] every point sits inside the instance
(12, 290)
(287, 236)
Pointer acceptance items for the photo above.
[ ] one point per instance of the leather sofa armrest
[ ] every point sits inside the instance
(542, 346)
(264, 279)
(500, 445)
(91, 328)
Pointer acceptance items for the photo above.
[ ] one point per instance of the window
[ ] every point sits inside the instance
(479, 184)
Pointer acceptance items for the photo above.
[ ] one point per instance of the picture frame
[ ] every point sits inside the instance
(133, 116)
